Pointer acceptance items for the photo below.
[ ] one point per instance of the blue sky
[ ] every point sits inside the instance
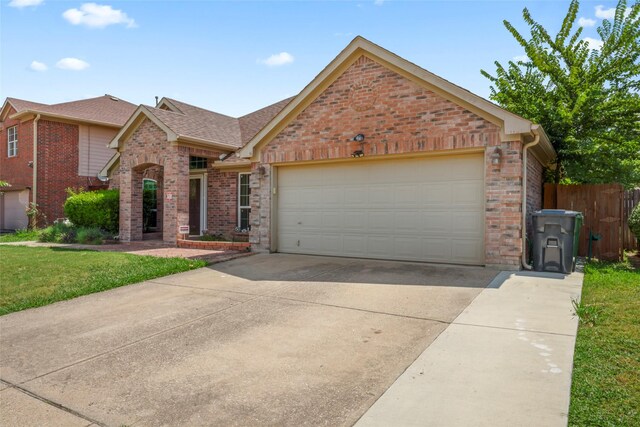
(236, 57)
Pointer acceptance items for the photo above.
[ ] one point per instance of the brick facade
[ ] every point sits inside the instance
(222, 200)
(398, 116)
(147, 154)
(535, 182)
(57, 164)
(16, 170)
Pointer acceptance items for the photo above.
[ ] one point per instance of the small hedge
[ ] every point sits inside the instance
(98, 209)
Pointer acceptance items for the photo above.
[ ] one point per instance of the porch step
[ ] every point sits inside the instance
(221, 246)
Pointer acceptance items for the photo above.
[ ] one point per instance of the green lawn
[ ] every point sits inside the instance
(606, 374)
(19, 236)
(33, 277)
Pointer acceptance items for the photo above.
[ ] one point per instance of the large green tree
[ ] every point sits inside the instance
(584, 92)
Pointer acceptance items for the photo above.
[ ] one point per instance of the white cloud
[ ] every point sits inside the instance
(24, 3)
(94, 15)
(278, 59)
(38, 66)
(523, 58)
(378, 2)
(593, 44)
(603, 13)
(586, 22)
(74, 64)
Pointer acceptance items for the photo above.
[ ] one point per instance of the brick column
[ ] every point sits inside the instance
(176, 193)
(130, 205)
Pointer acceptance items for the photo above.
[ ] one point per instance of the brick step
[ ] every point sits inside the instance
(223, 246)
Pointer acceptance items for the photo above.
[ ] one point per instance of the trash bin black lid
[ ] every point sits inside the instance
(556, 212)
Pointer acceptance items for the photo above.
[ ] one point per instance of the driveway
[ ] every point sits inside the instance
(264, 340)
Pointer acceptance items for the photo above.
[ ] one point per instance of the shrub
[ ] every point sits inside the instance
(58, 233)
(94, 209)
(89, 236)
(634, 221)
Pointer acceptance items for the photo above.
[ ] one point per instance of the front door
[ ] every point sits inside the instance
(195, 206)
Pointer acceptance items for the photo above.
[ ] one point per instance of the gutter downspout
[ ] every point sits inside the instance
(34, 187)
(535, 141)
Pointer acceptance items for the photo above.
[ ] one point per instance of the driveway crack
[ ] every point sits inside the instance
(52, 403)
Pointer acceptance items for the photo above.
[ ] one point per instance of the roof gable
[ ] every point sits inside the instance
(104, 110)
(510, 123)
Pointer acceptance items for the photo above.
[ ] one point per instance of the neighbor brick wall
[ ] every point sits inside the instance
(397, 116)
(57, 167)
(16, 170)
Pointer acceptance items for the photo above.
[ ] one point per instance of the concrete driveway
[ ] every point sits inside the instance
(264, 340)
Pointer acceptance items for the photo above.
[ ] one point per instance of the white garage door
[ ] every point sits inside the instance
(427, 209)
(14, 204)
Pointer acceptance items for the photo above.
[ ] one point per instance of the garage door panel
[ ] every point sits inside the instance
(378, 246)
(355, 196)
(467, 249)
(467, 193)
(331, 196)
(354, 221)
(433, 194)
(437, 249)
(408, 220)
(407, 247)
(287, 241)
(429, 209)
(436, 222)
(380, 221)
(354, 245)
(14, 206)
(380, 195)
(467, 223)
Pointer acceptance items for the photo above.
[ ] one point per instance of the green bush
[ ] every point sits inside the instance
(89, 236)
(94, 209)
(58, 233)
(634, 222)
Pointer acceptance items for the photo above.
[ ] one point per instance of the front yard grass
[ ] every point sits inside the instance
(33, 277)
(20, 236)
(606, 376)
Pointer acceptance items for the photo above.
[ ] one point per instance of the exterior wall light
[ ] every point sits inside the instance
(496, 156)
(357, 153)
(358, 138)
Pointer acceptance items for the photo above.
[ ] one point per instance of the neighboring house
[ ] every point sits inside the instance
(375, 158)
(49, 148)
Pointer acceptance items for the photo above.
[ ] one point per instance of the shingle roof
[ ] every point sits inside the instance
(22, 104)
(194, 122)
(251, 123)
(103, 109)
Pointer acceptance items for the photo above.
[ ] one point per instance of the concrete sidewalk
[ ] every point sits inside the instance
(506, 360)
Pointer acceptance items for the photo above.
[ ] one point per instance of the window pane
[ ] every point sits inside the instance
(244, 218)
(245, 190)
(197, 162)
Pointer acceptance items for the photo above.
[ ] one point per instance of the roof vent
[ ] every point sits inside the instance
(113, 98)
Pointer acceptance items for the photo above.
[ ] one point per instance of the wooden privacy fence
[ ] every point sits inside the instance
(630, 200)
(604, 215)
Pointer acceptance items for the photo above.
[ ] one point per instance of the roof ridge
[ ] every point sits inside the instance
(200, 108)
(268, 106)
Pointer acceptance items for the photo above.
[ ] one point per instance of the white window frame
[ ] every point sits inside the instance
(240, 207)
(12, 144)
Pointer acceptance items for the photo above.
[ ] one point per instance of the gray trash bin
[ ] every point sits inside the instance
(555, 240)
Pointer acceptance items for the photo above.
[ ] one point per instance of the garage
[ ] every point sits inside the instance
(12, 210)
(417, 209)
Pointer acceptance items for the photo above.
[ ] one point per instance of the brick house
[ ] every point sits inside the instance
(48, 148)
(375, 158)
